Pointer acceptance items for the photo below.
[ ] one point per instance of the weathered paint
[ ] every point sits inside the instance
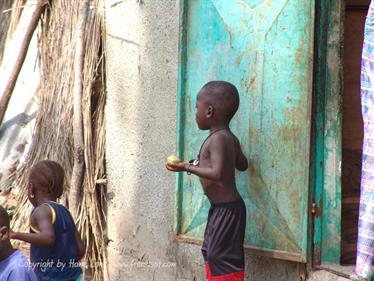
(265, 48)
(180, 113)
(331, 222)
(327, 160)
(317, 151)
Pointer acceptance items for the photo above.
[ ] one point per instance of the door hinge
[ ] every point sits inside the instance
(314, 208)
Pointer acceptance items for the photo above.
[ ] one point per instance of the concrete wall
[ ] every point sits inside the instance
(142, 62)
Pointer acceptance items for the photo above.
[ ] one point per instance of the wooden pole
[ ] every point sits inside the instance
(78, 133)
(9, 87)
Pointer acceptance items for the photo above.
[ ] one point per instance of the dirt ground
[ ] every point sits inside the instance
(323, 275)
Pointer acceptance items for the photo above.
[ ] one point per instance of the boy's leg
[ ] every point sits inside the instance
(204, 248)
(225, 252)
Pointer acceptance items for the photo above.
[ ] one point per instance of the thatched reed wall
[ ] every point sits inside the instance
(53, 135)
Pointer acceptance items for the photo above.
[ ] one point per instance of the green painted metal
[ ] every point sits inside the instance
(265, 48)
(331, 210)
(317, 146)
(180, 114)
(327, 165)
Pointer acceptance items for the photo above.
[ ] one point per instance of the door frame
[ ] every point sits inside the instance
(326, 134)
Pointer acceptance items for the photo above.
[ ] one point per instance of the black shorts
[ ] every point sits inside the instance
(222, 248)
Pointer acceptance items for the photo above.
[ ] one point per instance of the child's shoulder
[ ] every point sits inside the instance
(225, 136)
(42, 211)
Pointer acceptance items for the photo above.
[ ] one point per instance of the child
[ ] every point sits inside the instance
(14, 266)
(220, 153)
(56, 247)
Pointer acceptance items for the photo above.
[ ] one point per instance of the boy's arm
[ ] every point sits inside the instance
(215, 172)
(81, 248)
(46, 236)
(241, 160)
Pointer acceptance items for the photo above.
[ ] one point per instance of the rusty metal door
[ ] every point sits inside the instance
(265, 48)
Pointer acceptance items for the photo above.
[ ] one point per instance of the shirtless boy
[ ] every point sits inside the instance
(219, 156)
(14, 266)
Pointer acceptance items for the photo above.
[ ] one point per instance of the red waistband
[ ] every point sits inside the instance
(234, 276)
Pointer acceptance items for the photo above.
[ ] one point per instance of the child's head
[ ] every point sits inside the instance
(4, 228)
(217, 102)
(46, 180)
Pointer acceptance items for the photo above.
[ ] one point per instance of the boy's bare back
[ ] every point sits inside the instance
(223, 149)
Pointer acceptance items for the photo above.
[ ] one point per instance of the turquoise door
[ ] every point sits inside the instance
(265, 48)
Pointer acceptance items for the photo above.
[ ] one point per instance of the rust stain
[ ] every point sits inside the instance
(294, 113)
(290, 133)
(239, 59)
(256, 180)
(316, 254)
(249, 84)
(183, 223)
(299, 57)
(253, 80)
(251, 168)
(318, 212)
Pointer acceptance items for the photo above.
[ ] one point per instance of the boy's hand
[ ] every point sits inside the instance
(176, 167)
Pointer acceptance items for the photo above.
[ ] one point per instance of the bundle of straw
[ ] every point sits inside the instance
(53, 135)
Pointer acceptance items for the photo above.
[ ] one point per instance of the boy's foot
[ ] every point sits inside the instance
(355, 277)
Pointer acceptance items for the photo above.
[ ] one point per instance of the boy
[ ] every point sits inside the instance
(216, 104)
(13, 264)
(56, 246)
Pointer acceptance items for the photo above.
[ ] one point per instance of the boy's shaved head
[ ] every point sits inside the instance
(222, 95)
(4, 217)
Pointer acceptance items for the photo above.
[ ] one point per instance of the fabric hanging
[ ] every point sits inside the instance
(365, 243)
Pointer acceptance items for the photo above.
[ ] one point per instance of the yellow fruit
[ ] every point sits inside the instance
(172, 159)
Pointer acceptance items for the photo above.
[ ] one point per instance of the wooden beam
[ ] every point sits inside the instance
(7, 93)
(282, 255)
(78, 133)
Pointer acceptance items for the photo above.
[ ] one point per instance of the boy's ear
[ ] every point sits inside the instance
(4, 233)
(31, 188)
(210, 111)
